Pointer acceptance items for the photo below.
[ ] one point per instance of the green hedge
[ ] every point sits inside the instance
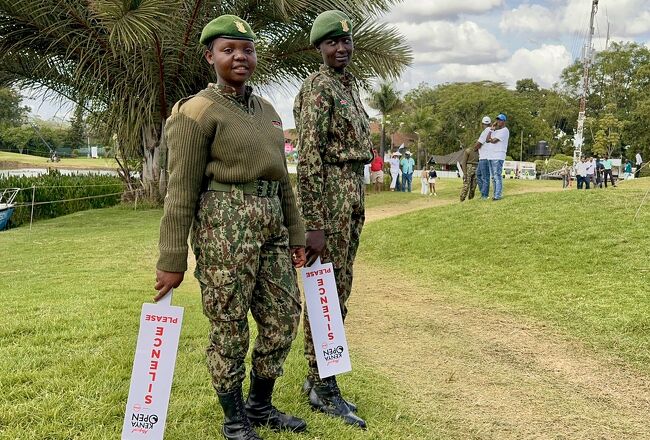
(54, 187)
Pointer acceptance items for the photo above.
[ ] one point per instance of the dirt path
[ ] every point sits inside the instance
(476, 373)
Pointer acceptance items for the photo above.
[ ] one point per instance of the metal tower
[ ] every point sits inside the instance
(587, 58)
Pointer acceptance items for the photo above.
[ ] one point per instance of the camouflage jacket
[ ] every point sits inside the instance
(333, 128)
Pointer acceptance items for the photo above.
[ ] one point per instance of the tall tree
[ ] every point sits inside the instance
(384, 99)
(77, 130)
(12, 113)
(130, 61)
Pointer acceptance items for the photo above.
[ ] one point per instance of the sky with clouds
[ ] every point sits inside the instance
(498, 40)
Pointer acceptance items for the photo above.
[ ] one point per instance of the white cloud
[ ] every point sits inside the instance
(627, 18)
(543, 64)
(422, 10)
(529, 18)
(445, 42)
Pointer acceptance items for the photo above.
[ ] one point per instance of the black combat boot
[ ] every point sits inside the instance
(325, 397)
(261, 412)
(236, 425)
(307, 386)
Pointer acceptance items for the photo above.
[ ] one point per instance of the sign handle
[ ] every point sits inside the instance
(167, 299)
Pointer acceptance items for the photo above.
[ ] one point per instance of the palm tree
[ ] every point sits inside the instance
(385, 99)
(128, 62)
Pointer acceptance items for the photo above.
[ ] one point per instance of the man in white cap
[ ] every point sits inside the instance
(407, 164)
(394, 169)
(483, 170)
(498, 137)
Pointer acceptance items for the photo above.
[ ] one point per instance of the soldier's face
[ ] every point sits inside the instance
(233, 60)
(337, 52)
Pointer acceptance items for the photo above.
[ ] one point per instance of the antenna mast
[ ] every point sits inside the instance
(587, 57)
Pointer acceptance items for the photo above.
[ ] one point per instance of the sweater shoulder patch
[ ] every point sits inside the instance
(192, 107)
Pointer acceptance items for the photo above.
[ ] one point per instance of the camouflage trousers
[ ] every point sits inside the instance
(344, 199)
(469, 182)
(243, 263)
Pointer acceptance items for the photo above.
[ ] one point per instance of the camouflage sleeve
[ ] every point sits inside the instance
(292, 219)
(312, 110)
(463, 161)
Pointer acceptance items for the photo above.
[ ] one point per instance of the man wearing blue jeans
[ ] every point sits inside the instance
(407, 164)
(498, 137)
(483, 169)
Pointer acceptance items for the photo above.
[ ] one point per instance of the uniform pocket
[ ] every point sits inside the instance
(222, 295)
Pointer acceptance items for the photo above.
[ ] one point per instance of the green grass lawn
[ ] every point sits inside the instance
(575, 259)
(72, 292)
(15, 160)
(72, 289)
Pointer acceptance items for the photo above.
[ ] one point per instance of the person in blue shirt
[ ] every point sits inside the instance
(407, 163)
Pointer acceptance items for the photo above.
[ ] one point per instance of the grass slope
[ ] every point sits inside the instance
(575, 259)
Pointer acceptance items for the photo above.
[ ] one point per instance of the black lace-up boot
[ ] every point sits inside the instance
(261, 411)
(325, 397)
(236, 425)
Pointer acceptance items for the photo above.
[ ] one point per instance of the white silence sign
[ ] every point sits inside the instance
(325, 320)
(153, 371)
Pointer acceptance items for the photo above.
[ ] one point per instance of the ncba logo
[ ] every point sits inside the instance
(143, 421)
(333, 353)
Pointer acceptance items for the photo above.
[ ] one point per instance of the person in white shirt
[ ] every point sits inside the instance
(498, 137)
(483, 169)
(581, 173)
(394, 169)
(639, 163)
(590, 170)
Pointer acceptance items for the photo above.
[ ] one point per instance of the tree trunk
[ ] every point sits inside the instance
(382, 145)
(151, 137)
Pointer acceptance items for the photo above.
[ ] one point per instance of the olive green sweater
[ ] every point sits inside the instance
(210, 137)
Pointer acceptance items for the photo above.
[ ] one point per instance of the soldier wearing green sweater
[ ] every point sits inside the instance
(333, 144)
(228, 183)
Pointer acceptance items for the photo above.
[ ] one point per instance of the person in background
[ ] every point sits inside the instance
(498, 137)
(469, 163)
(627, 172)
(407, 163)
(591, 171)
(483, 168)
(581, 173)
(607, 171)
(424, 182)
(639, 163)
(394, 169)
(565, 173)
(377, 171)
(599, 173)
(433, 175)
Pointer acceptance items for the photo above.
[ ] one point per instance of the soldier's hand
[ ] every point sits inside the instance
(315, 246)
(298, 256)
(165, 281)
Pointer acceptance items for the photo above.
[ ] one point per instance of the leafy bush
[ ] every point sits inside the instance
(563, 158)
(79, 192)
(553, 165)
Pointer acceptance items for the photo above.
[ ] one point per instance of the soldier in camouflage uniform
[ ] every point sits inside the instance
(469, 163)
(334, 145)
(229, 181)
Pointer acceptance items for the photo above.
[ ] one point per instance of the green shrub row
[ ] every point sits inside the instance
(54, 187)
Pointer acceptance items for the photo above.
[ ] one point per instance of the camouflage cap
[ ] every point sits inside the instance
(227, 26)
(330, 24)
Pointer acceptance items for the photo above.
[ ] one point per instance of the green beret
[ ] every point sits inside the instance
(330, 24)
(227, 26)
